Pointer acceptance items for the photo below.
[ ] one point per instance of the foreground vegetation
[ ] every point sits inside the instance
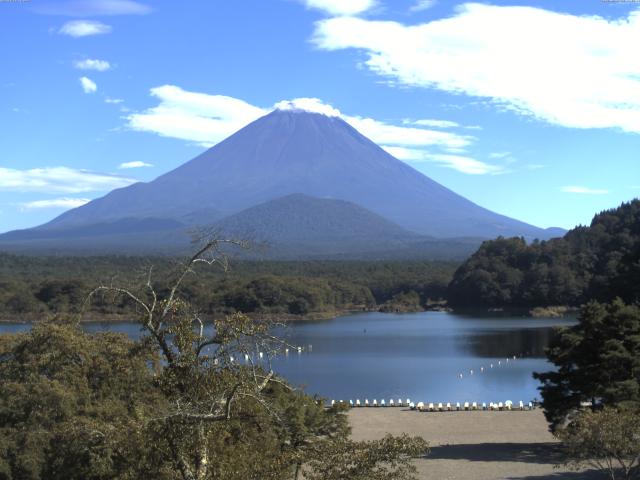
(174, 404)
(33, 287)
(592, 399)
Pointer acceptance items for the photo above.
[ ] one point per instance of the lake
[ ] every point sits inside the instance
(418, 356)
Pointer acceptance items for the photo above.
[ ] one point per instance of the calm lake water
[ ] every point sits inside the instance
(418, 356)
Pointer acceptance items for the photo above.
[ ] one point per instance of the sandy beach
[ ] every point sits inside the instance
(478, 445)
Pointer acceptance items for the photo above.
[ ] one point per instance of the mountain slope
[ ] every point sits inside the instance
(289, 152)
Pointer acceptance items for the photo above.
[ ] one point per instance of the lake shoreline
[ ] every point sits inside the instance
(536, 312)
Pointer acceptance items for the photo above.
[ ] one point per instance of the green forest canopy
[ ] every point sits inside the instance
(599, 262)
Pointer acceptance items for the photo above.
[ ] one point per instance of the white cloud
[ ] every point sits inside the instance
(198, 117)
(92, 64)
(90, 8)
(421, 5)
(387, 134)
(461, 163)
(64, 202)
(584, 190)
(84, 28)
(309, 105)
(499, 154)
(59, 180)
(341, 7)
(113, 100)
(208, 119)
(574, 71)
(135, 164)
(88, 85)
(435, 123)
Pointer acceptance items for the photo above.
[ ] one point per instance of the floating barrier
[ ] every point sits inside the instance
(507, 405)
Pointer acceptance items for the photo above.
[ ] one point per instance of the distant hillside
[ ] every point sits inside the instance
(293, 227)
(599, 262)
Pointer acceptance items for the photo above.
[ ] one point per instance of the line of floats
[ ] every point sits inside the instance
(440, 407)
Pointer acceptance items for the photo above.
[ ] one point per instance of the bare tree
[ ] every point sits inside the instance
(207, 365)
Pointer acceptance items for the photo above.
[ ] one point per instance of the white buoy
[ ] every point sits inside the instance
(481, 369)
(470, 372)
(460, 375)
(492, 365)
(499, 363)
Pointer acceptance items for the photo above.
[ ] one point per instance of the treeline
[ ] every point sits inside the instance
(34, 286)
(599, 262)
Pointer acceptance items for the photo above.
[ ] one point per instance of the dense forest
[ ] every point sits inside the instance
(32, 286)
(599, 262)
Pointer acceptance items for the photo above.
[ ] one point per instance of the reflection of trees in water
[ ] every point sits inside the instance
(530, 342)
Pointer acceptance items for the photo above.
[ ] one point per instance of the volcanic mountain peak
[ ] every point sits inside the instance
(292, 150)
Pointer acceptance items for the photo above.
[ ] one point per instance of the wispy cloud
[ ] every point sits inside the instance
(59, 180)
(92, 64)
(461, 163)
(84, 28)
(208, 119)
(341, 7)
(499, 154)
(88, 85)
(421, 5)
(577, 74)
(63, 202)
(584, 190)
(135, 164)
(92, 8)
(113, 100)
(429, 122)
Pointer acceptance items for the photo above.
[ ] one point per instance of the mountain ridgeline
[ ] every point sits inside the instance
(601, 262)
(307, 184)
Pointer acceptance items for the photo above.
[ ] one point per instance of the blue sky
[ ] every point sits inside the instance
(528, 110)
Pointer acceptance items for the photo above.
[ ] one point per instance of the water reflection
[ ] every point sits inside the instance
(420, 356)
